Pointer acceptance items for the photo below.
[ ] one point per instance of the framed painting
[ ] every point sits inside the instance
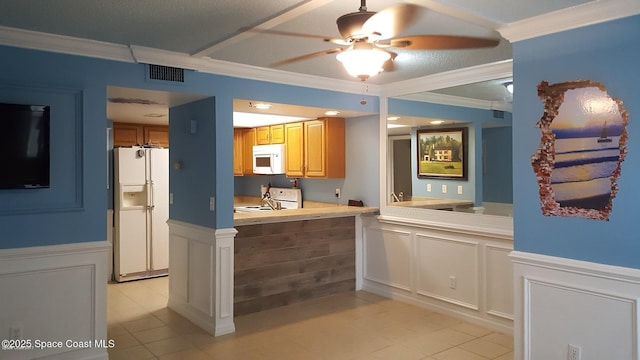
(442, 153)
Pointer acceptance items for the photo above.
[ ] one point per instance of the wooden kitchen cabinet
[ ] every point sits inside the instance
(294, 149)
(316, 148)
(156, 135)
(273, 134)
(243, 141)
(126, 134)
(238, 148)
(248, 140)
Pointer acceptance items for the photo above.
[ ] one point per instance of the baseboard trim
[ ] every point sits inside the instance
(408, 297)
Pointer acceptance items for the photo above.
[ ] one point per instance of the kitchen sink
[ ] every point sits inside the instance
(254, 208)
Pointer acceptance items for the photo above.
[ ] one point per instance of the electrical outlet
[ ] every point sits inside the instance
(170, 198)
(212, 203)
(444, 189)
(338, 193)
(429, 187)
(453, 282)
(573, 353)
(459, 189)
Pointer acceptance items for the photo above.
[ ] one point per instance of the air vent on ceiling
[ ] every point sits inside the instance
(166, 73)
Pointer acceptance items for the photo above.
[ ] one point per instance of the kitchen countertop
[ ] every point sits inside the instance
(311, 210)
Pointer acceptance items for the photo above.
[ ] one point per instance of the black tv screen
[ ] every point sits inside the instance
(24, 146)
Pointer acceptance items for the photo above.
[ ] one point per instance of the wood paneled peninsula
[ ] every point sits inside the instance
(287, 256)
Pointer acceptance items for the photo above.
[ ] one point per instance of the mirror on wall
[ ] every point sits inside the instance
(450, 149)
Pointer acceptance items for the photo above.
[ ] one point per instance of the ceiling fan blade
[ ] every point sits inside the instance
(391, 21)
(307, 56)
(287, 33)
(440, 42)
(390, 65)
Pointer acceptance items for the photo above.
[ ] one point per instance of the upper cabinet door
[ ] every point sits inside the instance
(238, 147)
(294, 149)
(273, 134)
(263, 135)
(127, 135)
(248, 140)
(325, 148)
(277, 134)
(315, 148)
(156, 135)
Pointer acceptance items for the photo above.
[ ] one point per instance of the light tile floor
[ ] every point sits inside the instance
(354, 325)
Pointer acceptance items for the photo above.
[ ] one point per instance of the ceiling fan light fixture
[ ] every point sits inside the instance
(363, 63)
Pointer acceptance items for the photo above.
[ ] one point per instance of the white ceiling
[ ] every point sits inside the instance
(208, 36)
(197, 30)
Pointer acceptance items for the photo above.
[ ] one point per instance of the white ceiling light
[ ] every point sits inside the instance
(509, 86)
(363, 60)
(332, 112)
(436, 122)
(261, 106)
(393, 118)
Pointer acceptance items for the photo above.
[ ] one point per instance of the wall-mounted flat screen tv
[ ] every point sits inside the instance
(24, 146)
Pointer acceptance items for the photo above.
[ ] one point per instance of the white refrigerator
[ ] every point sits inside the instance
(141, 206)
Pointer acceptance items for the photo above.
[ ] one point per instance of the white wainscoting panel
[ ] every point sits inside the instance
(441, 278)
(55, 293)
(498, 279)
(414, 260)
(562, 301)
(179, 250)
(387, 257)
(201, 280)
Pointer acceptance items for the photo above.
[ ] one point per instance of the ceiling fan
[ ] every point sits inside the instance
(367, 35)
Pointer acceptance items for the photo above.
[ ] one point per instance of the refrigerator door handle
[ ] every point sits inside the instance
(151, 205)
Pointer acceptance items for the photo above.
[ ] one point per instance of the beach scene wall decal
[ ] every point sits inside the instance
(582, 146)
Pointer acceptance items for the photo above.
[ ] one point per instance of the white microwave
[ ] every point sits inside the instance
(268, 159)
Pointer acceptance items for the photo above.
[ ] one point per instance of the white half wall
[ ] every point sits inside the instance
(201, 280)
(55, 293)
(458, 272)
(562, 302)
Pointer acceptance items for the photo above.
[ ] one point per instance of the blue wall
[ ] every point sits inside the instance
(608, 53)
(74, 208)
(474, 120)
(497, 172)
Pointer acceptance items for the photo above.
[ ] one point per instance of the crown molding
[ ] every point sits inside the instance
(63, 44)
(569, 18)
(452, 100)
(447, 79)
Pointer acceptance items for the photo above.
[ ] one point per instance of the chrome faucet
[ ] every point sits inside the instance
(397, 198)
(268, 201)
